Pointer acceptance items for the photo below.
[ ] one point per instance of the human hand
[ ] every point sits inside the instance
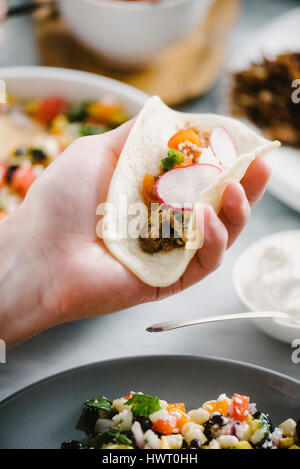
(60, 271)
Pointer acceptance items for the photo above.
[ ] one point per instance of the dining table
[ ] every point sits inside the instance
(124, 334)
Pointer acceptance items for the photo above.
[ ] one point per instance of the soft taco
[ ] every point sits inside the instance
(170, 162)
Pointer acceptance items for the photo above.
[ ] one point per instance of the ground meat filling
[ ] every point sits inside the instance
(165, 230)
(263, 95)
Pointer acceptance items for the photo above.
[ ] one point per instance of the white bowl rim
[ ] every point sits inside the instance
(143, 5)
(66, 74)
(237, 283)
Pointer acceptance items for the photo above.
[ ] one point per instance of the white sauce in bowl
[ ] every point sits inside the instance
(271, 277)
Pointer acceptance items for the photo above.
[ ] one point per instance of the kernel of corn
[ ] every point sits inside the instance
(243, 445)
(287, 442)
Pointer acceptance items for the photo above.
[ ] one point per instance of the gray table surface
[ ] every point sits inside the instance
(123, 334)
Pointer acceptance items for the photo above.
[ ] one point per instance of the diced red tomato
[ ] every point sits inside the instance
(217, 406)
(148, 190)
(239, 409)
(22, 179)
(50, 108)
(3, 170)
(129, 396)
(165, 426)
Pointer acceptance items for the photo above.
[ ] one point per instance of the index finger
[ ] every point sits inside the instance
(256, 179)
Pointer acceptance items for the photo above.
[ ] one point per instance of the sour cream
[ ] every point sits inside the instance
(272, 282)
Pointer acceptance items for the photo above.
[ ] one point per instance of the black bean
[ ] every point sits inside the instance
(10, 173)
(37, 155)
(195, 444)
(72, 444)
(145, 423)
(214, 423)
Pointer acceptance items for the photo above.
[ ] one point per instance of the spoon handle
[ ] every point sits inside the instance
(171, 325)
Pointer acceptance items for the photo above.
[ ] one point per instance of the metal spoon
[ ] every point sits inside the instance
(171, 325)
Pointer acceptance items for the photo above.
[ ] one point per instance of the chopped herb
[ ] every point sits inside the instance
(113, 435)
(144, 405)
(77, 112)
(174, 157)
(86, 130)
(100, 403)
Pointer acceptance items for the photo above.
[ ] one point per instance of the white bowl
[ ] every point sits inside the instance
(130, 33)
(28, 82)
(283, 330)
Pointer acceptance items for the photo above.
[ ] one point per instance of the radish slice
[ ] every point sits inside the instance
(180, 188)
(223, 146)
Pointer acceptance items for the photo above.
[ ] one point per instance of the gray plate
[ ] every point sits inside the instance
(45, 414)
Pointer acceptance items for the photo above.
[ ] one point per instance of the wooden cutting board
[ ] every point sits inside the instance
(184, 71)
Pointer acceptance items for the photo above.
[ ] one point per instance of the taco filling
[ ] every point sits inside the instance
(169, 195)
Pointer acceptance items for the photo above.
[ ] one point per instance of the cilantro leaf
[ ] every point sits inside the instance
(99, 403)
(87, 129)
(144, 405)
(174, 157)
(113, 435)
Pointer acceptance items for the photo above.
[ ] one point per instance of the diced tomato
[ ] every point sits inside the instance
(22, 179)
(165, 426)
(129, 396)
(3, 170)
(239, 409)
(148, 190)
(50, 108)
(217, 406)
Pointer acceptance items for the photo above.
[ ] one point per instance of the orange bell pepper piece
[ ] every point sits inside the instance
(187, 161)
(175, 407)
(185, 135)
(217, 406)
(148, 190)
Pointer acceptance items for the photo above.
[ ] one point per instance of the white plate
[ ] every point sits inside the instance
(31, 82)
(279, 36)
(285, 331)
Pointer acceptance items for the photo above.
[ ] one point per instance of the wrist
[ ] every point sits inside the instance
(23, 307)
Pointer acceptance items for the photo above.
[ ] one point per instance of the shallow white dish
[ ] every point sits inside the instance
(279, 36)
(285, 331)
(31, 82)
(130, 33)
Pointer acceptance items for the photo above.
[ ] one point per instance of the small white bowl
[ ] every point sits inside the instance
(131, 33)
(283, 330)
(31, 82)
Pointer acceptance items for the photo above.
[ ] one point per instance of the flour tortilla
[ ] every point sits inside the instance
(142, 153)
